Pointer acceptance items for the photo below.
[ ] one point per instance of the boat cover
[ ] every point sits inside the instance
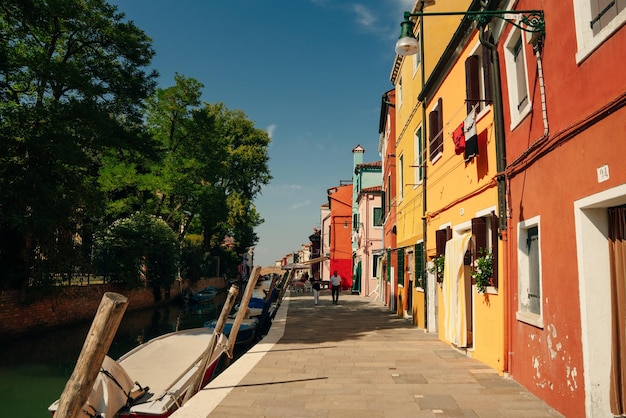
(109, 394)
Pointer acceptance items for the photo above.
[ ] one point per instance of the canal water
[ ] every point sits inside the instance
(35, 369)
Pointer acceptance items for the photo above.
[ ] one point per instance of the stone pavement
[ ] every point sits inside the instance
(357, 359)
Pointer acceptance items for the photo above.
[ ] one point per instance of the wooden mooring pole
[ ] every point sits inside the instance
(97, 343)
(243, 307)
(196, 381)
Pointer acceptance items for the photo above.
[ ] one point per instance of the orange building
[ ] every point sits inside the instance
(340, 206)
(387, 149)
(565, 146)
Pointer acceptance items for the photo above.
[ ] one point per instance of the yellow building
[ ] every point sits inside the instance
(447, 194)
(408, 75)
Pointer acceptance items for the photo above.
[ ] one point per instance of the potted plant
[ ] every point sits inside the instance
(437, 267)
(483, 272)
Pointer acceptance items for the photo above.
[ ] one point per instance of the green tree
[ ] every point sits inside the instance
(246, 160)
(138, 250)
(213, 162)
(72, 82)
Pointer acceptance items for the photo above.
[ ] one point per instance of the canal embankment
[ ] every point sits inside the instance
(23, 313)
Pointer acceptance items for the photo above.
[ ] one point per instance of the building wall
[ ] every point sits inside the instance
(388, 157)
(369, 241)
(340, 199)
(458, 191)
(564, 360)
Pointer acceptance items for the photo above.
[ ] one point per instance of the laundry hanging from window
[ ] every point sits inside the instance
(471, 136)
(458, 136)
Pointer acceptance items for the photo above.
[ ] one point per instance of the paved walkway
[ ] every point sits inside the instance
(357, 359)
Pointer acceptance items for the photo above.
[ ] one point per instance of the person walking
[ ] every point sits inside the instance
(335, 281)
(316, 285)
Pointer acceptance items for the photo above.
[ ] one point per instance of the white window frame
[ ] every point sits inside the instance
(417, 58)
(483, 105)
(439, 154)
(399, 92)
(585, 39)
(382, 223)
(523, 313)
(418, 152)
(517, 115)
(401, 177)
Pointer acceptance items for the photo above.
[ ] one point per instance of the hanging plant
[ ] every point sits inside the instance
(483, 272)
(437, 267)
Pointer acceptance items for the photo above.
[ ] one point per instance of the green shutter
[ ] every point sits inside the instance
(401, 266)
(419, 265)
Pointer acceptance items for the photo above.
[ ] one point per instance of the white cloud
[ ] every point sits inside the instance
(270, 130)
(364, 15)
(293, 186)
(299, 205)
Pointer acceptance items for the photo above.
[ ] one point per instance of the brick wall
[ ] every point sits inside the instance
(24, 314)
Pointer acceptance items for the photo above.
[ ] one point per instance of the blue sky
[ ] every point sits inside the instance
(310, 72)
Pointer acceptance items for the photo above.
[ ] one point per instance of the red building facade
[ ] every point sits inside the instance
(565, 127)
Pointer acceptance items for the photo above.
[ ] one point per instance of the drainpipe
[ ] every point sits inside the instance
(498, 122)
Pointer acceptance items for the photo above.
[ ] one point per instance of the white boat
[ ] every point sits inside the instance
(152, 379)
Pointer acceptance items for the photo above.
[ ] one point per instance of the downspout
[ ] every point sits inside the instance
(424, 164)
(498, 121)
(538, 47)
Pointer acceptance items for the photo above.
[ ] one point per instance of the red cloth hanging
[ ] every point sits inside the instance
(458, 136)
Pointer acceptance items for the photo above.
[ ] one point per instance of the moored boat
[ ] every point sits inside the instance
(152, 379)
(247, 329)
(204, 295)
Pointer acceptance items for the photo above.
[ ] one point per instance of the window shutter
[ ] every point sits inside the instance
(441, 237)
(439, 140)
(479, 230)
(419, 265)
(433, 120)
(494, 249)
(472, 85)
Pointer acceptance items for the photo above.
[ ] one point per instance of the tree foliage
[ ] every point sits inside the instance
(71, 87)
(139, 250)
(87, 140)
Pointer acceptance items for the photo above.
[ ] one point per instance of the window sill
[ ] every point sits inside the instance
(530, 319)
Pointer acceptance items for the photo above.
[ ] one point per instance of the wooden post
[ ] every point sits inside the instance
(243, 305)
(285, 286)
(196, 381)
(97, 343)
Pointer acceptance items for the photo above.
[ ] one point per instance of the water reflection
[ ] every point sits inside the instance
(35, 369)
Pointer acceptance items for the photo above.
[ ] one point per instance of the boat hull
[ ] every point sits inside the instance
(167, 366)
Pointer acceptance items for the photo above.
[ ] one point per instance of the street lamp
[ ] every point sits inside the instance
(532, 21)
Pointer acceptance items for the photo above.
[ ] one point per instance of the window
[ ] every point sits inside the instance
(478, 79)
(435, 139)
(399, 93)
(485, 233)
(417, 58)
(378, 216)
(419, 265)
(529, 273)
(596, 21)
(401, 177)
(517, 81)
(418, 146)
